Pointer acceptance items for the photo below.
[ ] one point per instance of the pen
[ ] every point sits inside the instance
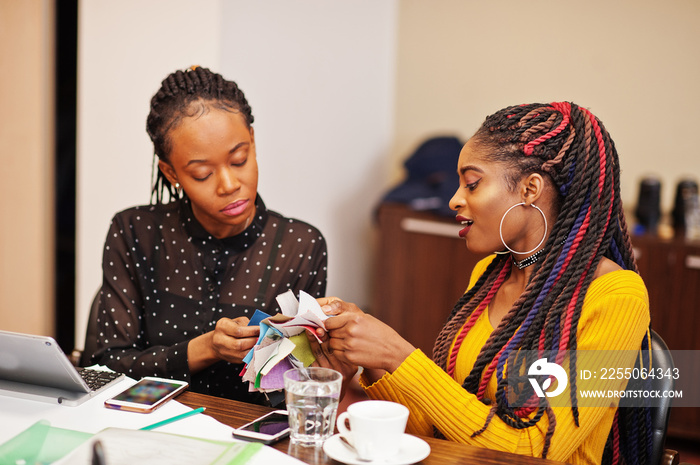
(175, 418)
(98, 454)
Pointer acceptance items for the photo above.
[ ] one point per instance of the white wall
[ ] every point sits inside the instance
(318, 75)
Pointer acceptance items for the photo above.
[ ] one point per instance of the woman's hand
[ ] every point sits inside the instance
(325, 358)
(361, 339)
(231, 341)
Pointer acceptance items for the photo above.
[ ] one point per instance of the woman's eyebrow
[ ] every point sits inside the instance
(466, 168)
(233, 150)
(238, 146)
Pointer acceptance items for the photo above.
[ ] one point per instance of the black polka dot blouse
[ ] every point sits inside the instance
(166, 280)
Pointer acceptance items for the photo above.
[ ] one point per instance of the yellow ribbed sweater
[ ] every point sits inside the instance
(615, 316)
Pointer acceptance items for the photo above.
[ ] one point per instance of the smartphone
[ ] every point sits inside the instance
(267, 429)
(146, 395)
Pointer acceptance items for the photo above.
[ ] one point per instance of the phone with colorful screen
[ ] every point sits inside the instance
(146, 395)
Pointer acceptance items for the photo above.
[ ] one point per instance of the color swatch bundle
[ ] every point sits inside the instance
(282, 343)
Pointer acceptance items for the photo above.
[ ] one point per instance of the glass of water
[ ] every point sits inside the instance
(312, 396)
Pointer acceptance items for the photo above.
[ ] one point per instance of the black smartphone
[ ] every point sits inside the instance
(267, 429)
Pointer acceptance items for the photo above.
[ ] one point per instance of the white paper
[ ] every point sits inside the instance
(92, 416)
(307, 313)
(288, 303)
(133, 447)
(16, 415)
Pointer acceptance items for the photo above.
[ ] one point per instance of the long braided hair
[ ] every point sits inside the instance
(571, 146)
(183, 94)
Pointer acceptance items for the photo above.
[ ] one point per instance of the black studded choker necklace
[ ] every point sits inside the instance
(527, 261)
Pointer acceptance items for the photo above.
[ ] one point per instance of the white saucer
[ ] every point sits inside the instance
(411, 450)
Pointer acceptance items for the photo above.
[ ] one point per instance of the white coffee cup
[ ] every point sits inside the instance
(376, 428)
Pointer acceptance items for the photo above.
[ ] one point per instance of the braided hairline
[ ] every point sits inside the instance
(572, 157)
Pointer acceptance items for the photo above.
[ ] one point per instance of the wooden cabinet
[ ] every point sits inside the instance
(422, 268)
(671, 272)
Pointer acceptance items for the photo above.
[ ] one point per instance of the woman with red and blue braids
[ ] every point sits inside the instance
(540, 190)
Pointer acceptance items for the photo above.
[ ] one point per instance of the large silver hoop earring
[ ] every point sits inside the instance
(500, 228)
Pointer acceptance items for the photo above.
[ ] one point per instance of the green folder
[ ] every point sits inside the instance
(40, 444)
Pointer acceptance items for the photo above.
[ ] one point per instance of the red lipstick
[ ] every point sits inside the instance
(467, 225)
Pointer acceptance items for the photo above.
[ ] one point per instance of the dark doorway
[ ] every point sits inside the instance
(65, 158)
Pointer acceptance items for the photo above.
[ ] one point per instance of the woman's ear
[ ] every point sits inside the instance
(532, 188)
(168, 171)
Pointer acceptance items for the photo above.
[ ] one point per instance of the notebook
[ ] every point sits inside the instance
(35, 367)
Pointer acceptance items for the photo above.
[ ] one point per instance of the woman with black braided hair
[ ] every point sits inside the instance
(540, 188)
(182, 278)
